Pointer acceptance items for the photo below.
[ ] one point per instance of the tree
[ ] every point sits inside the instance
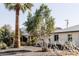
(17, 7)
(29, 23)
(5, 34)
(50, 26)
(30, 28)
(41, 23)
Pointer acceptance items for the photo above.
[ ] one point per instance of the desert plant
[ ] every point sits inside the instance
(3, 45)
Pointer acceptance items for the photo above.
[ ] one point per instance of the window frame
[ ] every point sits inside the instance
(56, 37)
(69, 37)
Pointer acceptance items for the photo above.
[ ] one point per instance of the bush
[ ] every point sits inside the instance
(3, 45)
(32, 41)
(23, 43)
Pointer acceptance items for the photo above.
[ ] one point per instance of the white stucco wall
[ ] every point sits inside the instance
(63, 37)
(76, 38)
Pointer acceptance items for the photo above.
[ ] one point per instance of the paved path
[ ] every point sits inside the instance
(35, 54)
(24, 51)
(31, 51)
(29, 48)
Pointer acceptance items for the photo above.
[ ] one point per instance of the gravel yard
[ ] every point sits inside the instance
(31, 51)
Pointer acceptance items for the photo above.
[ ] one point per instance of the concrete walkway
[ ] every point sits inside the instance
(24, 51)
(32, 51)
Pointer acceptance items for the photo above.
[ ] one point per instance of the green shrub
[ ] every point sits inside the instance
(32, 41)
(23, 43)
(3, 45)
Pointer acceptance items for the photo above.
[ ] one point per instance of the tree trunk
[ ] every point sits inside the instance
(17, 32)
(45, 47)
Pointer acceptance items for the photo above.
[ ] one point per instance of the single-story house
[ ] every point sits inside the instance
(70, 34)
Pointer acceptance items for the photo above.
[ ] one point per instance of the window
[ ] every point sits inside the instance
(49, 40)
(70, 37)
(56, 37)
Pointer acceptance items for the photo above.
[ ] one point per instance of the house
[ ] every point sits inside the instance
(62, 36)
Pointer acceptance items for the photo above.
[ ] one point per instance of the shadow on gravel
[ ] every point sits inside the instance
(40, 51)
(13, 52)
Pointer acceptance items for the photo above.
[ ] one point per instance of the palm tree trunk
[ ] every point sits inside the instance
(17, 32)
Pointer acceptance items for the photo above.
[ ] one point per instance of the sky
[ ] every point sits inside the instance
(60, 11)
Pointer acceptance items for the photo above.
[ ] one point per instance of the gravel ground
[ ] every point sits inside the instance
(31, 51)
(34, 54)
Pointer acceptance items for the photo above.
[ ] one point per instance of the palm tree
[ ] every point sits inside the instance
(17, 7)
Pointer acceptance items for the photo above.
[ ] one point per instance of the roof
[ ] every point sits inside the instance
(70, 29)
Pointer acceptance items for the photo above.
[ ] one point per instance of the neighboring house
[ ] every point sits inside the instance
(58, 28)
(62, 36)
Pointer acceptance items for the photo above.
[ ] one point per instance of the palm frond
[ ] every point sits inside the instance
(23, 6)
(10, 6)
(26, 6)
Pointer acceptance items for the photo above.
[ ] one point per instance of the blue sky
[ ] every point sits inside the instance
(60, 11)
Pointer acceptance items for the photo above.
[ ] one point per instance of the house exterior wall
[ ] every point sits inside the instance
(63, 37)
